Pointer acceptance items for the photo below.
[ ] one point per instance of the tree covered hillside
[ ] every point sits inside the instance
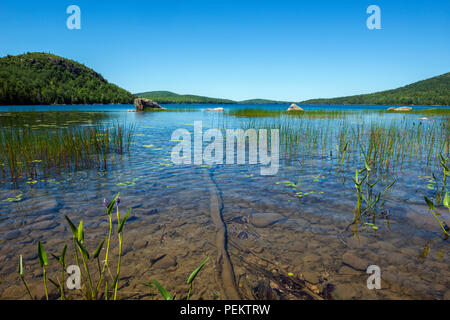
(432, 91)
(43, 78)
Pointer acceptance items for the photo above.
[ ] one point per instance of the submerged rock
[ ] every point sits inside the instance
(142, 104)
(349, 258)
(164, 261)
(311, 276)
(295, 107)
(345, 292)
(262, 220)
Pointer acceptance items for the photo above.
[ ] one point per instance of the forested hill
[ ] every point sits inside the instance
(168, 97)
(433, 91)
(43, 78)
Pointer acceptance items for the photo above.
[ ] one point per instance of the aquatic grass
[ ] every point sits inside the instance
(388, 145)
(306, 114)
(369, 203)
(43, 260)
(432, 208)
(21, 275)
(190, 280)
(25, 152)
(90, 292)
(427, 112)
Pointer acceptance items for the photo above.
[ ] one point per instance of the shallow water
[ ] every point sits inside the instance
(171, 231)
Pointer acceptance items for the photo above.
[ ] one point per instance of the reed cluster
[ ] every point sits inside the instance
(385, 145)
(28, 153)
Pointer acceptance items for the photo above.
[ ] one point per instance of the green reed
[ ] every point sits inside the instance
(306, 114)
(433, 210)
(386, 144)
(25, 152)
(369, 203)
(190, 281)
(91, 291)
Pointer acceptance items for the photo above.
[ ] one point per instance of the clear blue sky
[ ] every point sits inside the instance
(287, 50)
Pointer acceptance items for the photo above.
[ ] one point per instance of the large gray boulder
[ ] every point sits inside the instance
(294, 107)
(142, 104)
(405, 108)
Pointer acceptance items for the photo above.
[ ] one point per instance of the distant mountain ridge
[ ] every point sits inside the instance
(44, 78)
(168, 97)
(432, 91)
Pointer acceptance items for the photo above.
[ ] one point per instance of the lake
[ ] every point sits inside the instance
(297, 234)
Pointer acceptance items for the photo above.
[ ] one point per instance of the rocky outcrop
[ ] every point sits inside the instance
(214, 109)
(142, 104)
(294, 107)
(399, 109)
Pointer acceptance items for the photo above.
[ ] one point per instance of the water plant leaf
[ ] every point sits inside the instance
(196, 271)
(83, 249)
(446, 201)
(162, 290)
(122, 223)
(366, 165)
(20, 266)
(430, 203)
(72, 227)
(42, 255)
(62, 257)
(80, 233)
(110, 206)
(99, 248)
(389, 186)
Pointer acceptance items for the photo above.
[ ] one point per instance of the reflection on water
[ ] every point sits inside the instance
(285, 230)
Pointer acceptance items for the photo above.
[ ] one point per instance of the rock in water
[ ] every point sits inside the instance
(294, 107)
(214, 109)
(405, 108)
(142, 104)
(262, 220)
(352, 260)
